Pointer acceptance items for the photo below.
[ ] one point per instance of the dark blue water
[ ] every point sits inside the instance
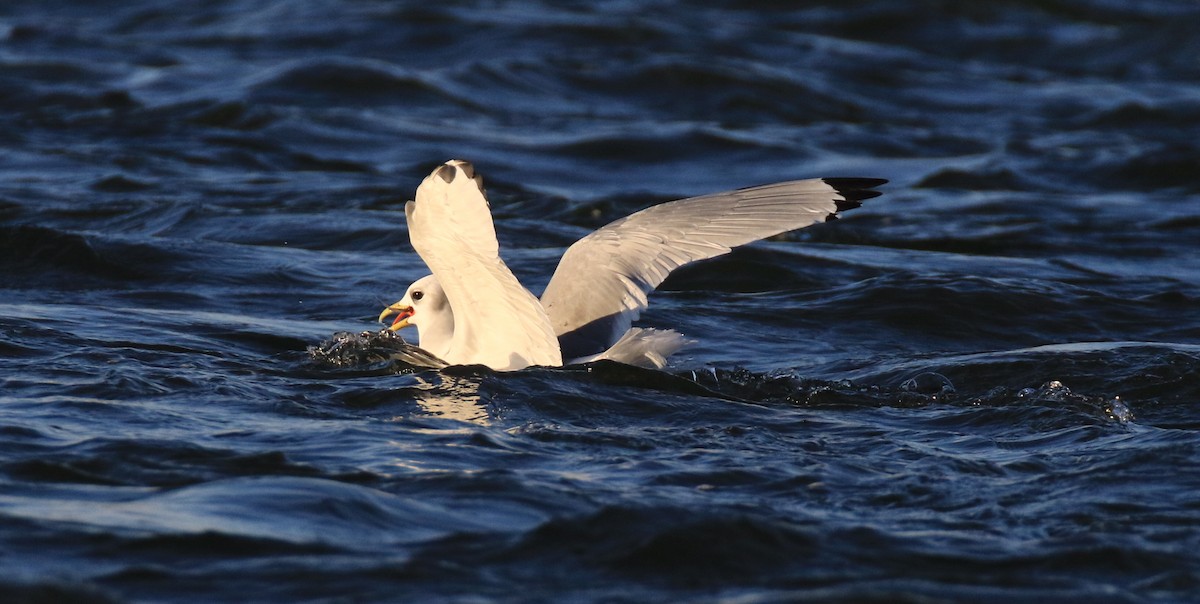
(982, 386)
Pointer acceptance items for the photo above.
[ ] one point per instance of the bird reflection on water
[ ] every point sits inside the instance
(452, 394)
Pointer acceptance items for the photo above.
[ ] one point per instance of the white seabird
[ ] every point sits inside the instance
(472, 310)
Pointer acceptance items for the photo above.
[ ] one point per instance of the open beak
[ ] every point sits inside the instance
(402, 313)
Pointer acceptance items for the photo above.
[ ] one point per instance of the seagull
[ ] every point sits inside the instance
(473, 311)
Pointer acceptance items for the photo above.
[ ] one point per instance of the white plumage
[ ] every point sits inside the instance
(474, 311)
(497, 322)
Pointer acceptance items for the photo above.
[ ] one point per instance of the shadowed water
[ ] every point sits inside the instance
(981, 386)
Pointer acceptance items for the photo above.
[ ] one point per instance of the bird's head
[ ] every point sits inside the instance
(422, 305)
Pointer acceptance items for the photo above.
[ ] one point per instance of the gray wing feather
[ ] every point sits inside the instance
(601, 283)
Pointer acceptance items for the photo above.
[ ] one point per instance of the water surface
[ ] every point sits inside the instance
(981, 386)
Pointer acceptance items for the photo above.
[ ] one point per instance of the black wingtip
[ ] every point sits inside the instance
(855, 183)
(467, 168)
(853, 191)
(446, 172)
(449, 170)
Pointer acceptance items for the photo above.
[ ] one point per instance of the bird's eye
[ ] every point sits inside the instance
(417, 295)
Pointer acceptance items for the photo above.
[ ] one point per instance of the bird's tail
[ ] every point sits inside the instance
(641, 347)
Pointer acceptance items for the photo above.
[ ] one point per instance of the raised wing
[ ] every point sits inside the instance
(497, 322)
(601, 283)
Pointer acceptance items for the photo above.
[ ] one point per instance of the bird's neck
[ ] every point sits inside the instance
(437, 335)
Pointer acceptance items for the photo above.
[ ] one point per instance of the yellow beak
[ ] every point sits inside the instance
(402, 313)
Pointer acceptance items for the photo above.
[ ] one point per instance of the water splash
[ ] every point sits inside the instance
(369, 350)
(1055, 394)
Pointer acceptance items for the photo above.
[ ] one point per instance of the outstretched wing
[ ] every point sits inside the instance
(497, 322)
(601, 283)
